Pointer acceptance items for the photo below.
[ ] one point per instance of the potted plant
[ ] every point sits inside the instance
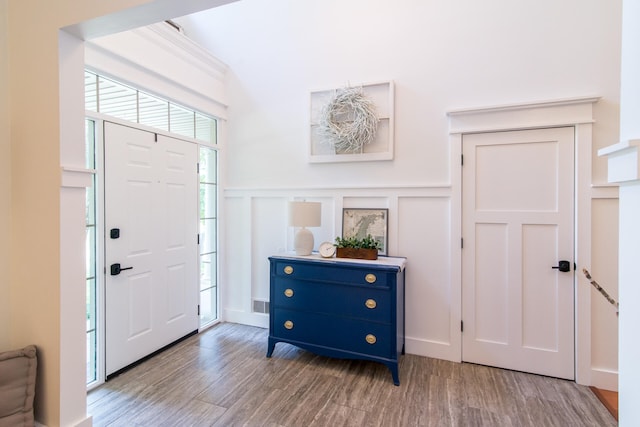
(354, 247)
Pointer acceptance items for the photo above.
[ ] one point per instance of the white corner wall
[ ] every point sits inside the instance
(442, 56)
(624, 167)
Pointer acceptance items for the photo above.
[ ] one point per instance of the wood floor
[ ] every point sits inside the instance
(221, 377)
(608, 398)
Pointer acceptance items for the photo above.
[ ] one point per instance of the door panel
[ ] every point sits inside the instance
(518, 208)
(138, 302)
(179, 246)
(516, 176)
(491, 284)
(540, 312)
(151, 197)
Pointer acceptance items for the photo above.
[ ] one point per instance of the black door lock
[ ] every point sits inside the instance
(116, 269)
(563, 266)
(114, 233)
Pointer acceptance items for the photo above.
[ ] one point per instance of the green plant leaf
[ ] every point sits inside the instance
(353, 242)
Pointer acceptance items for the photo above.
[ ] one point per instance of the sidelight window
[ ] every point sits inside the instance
(90, 251)
(208, 247)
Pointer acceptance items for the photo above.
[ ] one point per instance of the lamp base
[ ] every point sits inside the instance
(303, 242)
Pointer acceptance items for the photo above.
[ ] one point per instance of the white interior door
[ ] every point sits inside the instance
(518, 222)
(151, 232)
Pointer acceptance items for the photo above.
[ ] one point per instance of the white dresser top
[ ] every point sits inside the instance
(399, 262)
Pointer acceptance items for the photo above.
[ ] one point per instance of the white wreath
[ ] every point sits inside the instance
(349, 120)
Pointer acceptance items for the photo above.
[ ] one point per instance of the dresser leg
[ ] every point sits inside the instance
(394, 374)
(270, 346)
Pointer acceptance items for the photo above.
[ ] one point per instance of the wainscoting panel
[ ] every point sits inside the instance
(423, 228)
(256, 226)
(234, 272)
(424, 235)
(269, 224)
(604, 269)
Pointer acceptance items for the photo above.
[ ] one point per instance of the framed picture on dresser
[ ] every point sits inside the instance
(360, 222)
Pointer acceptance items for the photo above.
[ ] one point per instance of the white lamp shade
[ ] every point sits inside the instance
(304, 214)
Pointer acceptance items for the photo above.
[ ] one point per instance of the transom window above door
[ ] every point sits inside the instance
(107, 96)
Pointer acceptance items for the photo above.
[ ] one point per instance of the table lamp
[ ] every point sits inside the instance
(304, 214)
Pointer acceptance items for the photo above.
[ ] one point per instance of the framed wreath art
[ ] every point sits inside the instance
(349, 120)
(353, 123)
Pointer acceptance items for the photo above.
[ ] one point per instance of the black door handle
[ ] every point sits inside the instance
(116, 269)
(563, 266)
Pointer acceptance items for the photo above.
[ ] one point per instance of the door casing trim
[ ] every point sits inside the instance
(576, 112)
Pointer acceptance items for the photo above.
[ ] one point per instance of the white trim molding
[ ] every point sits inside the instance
(76, 177)
(173, 66)
(530, 115)
(179, 45)
(623, 159)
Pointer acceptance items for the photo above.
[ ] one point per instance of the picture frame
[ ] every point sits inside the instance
(360, 222)
(321, 150)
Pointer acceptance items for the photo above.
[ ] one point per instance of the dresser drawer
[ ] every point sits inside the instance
(328, 272)
(348, 335)
(367, 303)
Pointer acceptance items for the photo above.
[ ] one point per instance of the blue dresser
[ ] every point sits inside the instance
(338, 307)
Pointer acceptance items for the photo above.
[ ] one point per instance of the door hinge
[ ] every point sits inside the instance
(198, 309)
(461, 159)
(461, 243)
(198, 238)
(198, 168)
(155, 137)
(461, 326)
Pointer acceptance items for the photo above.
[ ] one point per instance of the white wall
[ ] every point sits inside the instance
(441, 56)
(629, 299)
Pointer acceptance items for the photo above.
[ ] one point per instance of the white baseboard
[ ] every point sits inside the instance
(604, 379)
(260, 320)
(437, 350)
(87, 422)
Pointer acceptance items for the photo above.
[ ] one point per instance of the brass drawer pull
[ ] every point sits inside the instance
(371, 303)
(288, 293)
(370, 278)
(288, 269)
(371, 339)
(289, 324)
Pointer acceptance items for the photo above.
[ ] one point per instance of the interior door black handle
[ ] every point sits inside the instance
(563, 266)
(116, 269)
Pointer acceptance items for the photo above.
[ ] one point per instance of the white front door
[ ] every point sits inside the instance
(518, 222)
(151, 232)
